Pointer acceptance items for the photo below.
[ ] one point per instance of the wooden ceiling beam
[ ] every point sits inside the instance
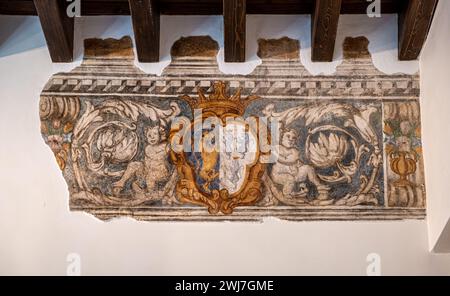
(58, 29)
(234, 17)
(203, 7)
(324, 23)
(413, 25)
(415, 18)
(146, 24)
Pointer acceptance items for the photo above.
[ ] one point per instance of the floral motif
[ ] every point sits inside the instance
(404, 150)
(117, 145)
(328, 151)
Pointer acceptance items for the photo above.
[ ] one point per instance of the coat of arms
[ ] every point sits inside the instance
(219, 161)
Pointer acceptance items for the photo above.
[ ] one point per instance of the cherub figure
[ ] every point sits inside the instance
(289, 171)
(154, 167)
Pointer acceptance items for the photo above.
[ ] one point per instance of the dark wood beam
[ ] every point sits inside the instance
(19, 7)
(324, 23)
(203, 7)
(413, 25)
(58, 29)
(234, 17)
(146, 24)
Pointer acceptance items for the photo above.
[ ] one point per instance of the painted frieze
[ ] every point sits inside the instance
(195, 144)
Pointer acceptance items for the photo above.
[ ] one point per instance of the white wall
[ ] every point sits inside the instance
(435, 88)
(37, 231)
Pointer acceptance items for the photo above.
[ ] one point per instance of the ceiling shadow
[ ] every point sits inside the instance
(20, 34)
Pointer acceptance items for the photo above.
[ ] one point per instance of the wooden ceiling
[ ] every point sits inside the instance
(415, 17)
